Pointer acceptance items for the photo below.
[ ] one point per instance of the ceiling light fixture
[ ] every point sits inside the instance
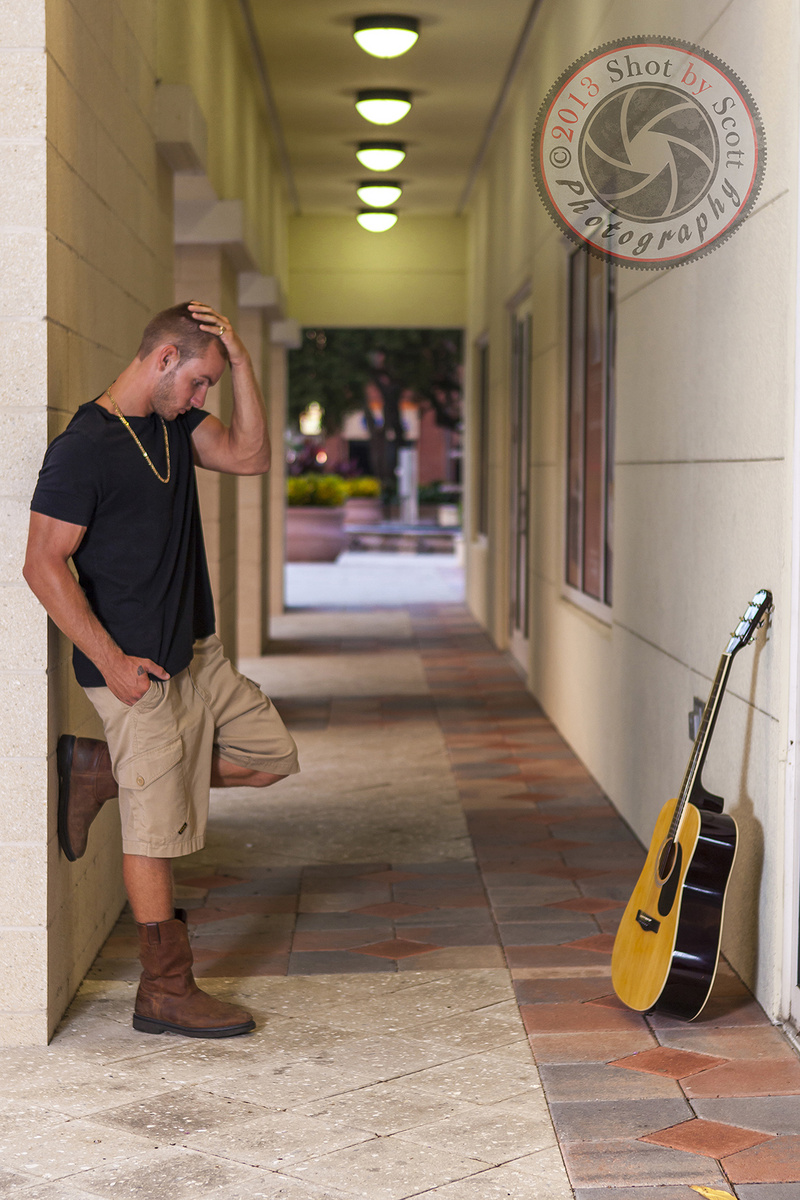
(383, 106)
(386, 36)
(379, 193)
(380, 156)
(376, 220)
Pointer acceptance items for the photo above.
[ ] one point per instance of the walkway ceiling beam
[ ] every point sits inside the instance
(269, 101)
(488, 134)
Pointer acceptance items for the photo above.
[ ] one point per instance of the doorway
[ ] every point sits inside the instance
(519, 459)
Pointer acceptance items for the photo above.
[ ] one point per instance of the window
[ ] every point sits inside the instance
(482, 457)
(590, 426)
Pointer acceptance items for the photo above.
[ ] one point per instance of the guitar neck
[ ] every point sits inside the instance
(703, 739)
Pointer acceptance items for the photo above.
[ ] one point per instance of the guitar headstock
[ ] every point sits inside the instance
(752, 618)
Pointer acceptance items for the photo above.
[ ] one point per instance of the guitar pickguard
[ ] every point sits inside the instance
(666, 897)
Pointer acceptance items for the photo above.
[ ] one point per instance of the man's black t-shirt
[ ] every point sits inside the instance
(142, 561)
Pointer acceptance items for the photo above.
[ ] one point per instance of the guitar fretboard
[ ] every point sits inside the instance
(701, 742)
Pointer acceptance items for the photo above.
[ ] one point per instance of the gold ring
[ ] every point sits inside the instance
(221, 330)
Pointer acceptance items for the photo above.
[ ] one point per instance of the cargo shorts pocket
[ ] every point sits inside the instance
(155, 792)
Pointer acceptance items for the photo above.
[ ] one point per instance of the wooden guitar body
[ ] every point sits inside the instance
(667, 947)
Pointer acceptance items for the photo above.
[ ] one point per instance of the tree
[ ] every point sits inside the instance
(334, 366)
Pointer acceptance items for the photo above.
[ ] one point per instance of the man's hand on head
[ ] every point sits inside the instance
(210, 321)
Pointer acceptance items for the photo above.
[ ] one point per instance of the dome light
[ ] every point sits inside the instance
(380, 156)
(383, 106)
(376, 220)
(379, 193)
(386, 36)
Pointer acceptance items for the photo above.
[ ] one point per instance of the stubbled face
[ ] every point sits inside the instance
(185, 385)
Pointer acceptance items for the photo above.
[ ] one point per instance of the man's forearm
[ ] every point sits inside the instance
(249, 435)
(59, 592)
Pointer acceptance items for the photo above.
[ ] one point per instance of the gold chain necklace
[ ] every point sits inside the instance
(149, 460)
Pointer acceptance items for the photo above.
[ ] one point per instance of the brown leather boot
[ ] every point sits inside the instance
(168, 998)
(85, 782)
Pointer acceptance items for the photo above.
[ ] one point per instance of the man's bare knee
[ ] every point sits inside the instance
(229, 774)
(264, 779)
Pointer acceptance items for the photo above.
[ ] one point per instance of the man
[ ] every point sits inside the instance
(117, 495)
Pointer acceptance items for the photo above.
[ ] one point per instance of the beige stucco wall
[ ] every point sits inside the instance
(412, 275)
(87, 258)
(705, 379)
(87, 233)
(109, 268)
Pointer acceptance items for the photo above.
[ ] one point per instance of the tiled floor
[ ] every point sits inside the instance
(442, 855)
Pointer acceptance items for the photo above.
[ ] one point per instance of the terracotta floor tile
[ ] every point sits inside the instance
(232, 967)
(745, 1077)
(211, 881)
(711, 1138)
(595, 1121)
(721, 1010)
(331, 939)
(396, 948)
(580, 1018)
(600, 943)
(589, 904)
(768, 1114)
(599, 1046)
(668, 1191)
(622, 1162)
(445, 898)
(753, 1042)
(562, 871)
(776, 1161)
(388, 876)
(672, 1064)
(336, 962)
(454, 958)
(540, 933)
(611, 1000)
(549, 956)
(240, 907)
(754, 1191)
(391, 910)
(554, 991)
(452, 935)
(609, 922)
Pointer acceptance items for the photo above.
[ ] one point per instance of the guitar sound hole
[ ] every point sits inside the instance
(667, 860)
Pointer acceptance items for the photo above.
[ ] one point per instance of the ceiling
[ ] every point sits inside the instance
(455, 71)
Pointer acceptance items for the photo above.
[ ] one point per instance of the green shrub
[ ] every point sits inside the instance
(324, 491)
(364, 487)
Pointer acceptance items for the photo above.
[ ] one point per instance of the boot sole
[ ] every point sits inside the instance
(150, 1025)
(66, 747)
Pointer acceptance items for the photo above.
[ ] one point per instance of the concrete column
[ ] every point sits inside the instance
(252, 519)
(277, 479)
(203, 272)
(24, 828)
(283, 336)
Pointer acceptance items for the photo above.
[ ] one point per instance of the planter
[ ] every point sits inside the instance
(314, 534)
(363, 510)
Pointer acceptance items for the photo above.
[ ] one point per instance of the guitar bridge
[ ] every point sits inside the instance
(649, 924)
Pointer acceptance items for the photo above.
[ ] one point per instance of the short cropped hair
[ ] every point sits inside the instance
(177, 327)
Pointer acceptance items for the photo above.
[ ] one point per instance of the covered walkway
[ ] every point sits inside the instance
(422, 924)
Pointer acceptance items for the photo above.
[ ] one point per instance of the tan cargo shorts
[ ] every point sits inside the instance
(161, 748)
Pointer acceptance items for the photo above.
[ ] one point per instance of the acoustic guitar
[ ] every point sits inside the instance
(667, 946)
